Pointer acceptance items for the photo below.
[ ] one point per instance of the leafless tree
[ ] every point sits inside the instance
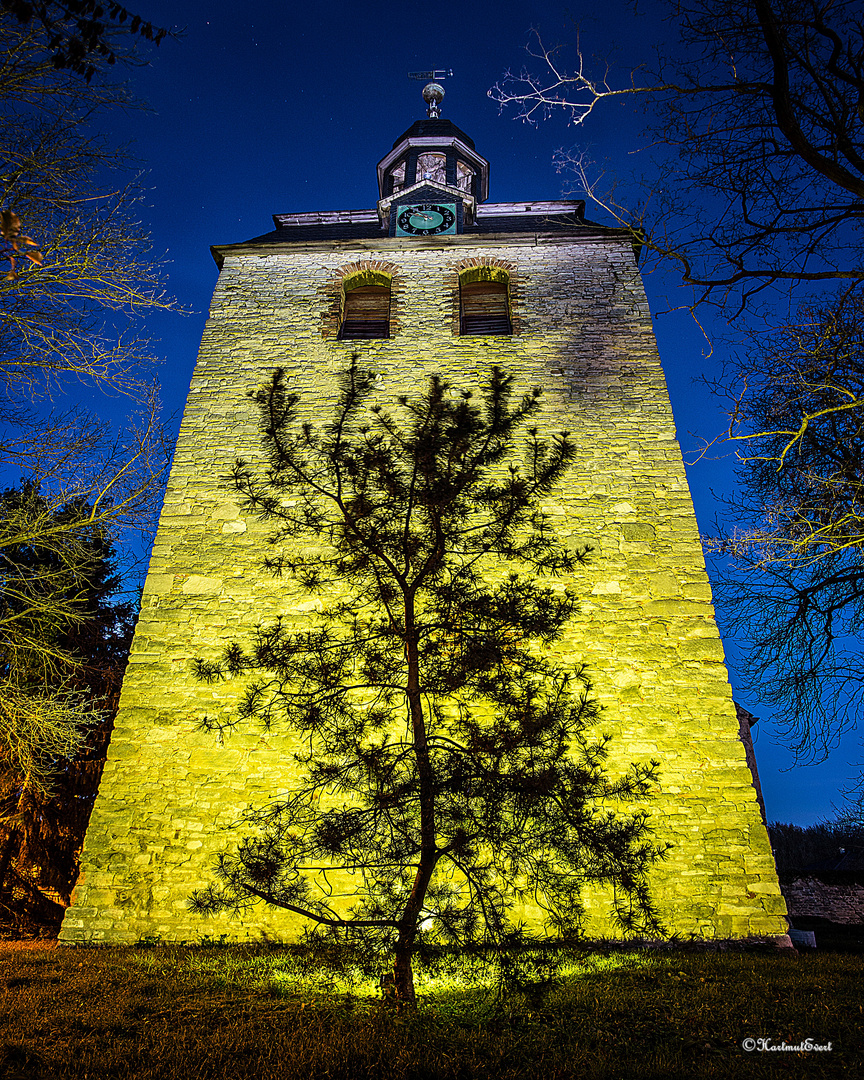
(75, 271)
(756, 195)
(60, 312)
(795, 583)
(757, 116)
(73, 312)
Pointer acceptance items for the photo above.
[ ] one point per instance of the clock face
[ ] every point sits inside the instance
(426, 219)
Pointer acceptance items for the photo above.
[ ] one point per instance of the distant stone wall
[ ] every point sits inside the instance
(810, 897)
(582, 330)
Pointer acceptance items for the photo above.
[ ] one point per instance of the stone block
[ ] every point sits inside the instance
(638, 530)
(676, 609)
(201, 585)
(773, 903)
(159, 583)
(701, 648)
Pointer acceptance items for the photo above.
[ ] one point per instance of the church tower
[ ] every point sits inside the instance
(433, 279)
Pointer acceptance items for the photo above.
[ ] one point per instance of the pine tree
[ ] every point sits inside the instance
(447, 774)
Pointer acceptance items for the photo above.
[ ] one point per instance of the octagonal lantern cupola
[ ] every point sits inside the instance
(432, 162)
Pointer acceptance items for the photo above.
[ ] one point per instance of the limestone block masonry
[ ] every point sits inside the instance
(811, 898)
(582, 331)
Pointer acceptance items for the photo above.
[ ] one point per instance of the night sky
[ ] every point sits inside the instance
(276, 107)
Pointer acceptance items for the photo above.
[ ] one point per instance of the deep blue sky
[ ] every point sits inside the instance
(271, 107)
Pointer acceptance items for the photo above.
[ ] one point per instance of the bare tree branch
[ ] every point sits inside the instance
(758, 116)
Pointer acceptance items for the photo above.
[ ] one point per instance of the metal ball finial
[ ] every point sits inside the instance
(433, 94)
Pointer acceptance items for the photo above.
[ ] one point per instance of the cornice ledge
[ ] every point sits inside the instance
(579, 234)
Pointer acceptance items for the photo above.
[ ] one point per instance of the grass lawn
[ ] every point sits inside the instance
(232, 1013)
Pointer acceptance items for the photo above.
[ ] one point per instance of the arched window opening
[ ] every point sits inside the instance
(432, 167)
(398, 174)
(464, 176)
(484, 297)
(366, 306)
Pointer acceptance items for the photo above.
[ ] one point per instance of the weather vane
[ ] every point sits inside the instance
(433, 94)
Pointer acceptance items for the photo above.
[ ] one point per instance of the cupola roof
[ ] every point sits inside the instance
(439, 127)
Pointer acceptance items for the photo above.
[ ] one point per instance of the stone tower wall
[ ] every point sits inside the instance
(582, 331)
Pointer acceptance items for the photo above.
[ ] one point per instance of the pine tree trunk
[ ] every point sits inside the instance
(403, 973)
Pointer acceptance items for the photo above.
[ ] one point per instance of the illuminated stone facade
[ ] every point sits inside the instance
(582, 331)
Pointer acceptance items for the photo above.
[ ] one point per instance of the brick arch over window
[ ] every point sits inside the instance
(484, 301)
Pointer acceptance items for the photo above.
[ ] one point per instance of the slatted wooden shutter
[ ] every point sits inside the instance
(485, 308)
(366, 313)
